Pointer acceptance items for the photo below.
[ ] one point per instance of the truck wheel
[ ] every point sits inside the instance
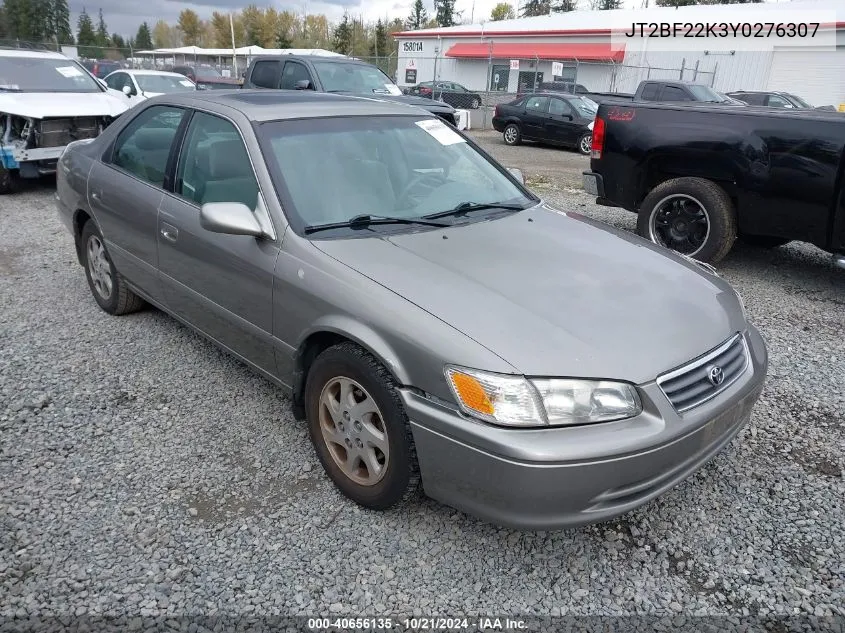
(692, 216)
(512, 135)
(8, 181)
(763, 241)
(585, 144)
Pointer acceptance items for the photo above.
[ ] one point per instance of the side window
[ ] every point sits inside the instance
(559, 107)
(671, 93)
(776, 101)
(293, 72)
(143, 146)
(650, 92)
(214, 165)
(539, 105)
(265, 74)
(115, 81)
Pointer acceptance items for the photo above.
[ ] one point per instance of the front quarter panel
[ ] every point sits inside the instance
(316, 293)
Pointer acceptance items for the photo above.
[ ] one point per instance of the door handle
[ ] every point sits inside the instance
(170, 233)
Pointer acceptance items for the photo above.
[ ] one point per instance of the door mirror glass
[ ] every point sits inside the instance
(517, 173)
(232, 218)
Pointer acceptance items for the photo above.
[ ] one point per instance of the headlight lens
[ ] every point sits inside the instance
(517, 401)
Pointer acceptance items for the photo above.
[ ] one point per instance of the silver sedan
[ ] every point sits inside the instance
(431, 318)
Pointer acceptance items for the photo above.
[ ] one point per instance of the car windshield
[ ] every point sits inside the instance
(44, 74)
(207, 72)
(704, 93)
(586, 107)
(798, 100)
(399, 167)
(354, 78)
(164, 83)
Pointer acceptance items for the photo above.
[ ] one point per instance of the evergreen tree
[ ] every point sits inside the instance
(445, 12)
(102, 34)
(564, 6)
(61, 22)
(378, 45)
(607, 5)
(143, 39)
(536, 7)
(343, 35)
(418, 17)
(86, 38)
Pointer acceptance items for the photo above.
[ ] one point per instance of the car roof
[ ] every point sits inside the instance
(26, 52)
(274, 105)
(315, 58)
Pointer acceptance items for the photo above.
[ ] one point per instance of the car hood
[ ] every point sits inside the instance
(40, 105)
(555, 294)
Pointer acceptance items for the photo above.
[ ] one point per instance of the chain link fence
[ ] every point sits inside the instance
(478, 85)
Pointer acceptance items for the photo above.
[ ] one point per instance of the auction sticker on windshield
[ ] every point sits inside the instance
(69, 71)
(186, 83)
(440, 131)
(393, 89)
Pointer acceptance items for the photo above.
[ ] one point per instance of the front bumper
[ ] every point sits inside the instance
(542, 479)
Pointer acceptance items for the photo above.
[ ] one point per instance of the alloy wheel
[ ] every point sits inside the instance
(354, 431)
(680, 222)
(510, 135)
(586, 144)
(99, 267)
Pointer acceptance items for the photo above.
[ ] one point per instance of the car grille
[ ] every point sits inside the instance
(691, 385)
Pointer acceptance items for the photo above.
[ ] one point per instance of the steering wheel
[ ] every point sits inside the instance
(418, 179)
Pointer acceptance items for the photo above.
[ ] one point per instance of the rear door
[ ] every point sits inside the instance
(534, 117)
(561, 123)
(125, 192)
(222, 284)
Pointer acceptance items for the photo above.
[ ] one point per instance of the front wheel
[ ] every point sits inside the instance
(512, 135)
(359, 427)
(585, 144)
(692, 216)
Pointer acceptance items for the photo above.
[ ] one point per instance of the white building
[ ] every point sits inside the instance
(591, 47)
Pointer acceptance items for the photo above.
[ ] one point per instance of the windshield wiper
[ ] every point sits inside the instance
(365, 220)
(465, 207)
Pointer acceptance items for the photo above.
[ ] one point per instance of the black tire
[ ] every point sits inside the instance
(8, 181)
(401, 477)
(584, 145)
(763, 241)
(515, 135)
(709, 197)
(120, 300)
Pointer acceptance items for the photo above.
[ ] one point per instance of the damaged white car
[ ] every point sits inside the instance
(46, 101)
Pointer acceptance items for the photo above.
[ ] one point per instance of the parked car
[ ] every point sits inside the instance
(136, 86)
(46, 101)
(449, 92)
(552, 117)
(775, 100)
(521, 397)
(338, 75)
(699, 176)
(100, 68)
(665, 91)
(207, 77)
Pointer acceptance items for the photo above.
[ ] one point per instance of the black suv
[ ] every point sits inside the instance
(341, 75)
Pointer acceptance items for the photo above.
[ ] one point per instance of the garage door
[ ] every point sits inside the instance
(816, 76)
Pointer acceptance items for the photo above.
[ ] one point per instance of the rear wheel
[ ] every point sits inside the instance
(763, 241)
(692, 216)
(107, 285)
(585, 144)
(512, 135)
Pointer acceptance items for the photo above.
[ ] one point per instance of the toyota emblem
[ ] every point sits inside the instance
(716, 375)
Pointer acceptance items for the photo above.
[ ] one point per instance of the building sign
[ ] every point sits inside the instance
(410, 76)
(412, 47)
(514, 64)
(557, 69)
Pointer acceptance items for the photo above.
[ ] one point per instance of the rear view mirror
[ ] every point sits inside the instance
(517, 173)
(232, 218)
(303, 84)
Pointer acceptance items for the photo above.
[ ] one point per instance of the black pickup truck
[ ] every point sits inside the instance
(701, 175)
(341, 75)
(652, 90)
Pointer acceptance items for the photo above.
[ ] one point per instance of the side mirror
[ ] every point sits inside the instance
(232, 218)
(127, 91)
(303, 84)
(517, 173)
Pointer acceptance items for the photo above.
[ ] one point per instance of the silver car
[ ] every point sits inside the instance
(431, 318)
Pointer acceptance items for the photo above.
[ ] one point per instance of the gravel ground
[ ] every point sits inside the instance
(145, 473)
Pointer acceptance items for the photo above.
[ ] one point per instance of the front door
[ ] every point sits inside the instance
(534, 119)
(222, 284)
(125, 192)
(561, 124)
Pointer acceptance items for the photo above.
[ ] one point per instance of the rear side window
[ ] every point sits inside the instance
(671, 93)
(143, 147)
(537, 104)
(265, 74)
(650, 92)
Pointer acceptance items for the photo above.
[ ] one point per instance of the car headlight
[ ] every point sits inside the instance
(517, 401)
